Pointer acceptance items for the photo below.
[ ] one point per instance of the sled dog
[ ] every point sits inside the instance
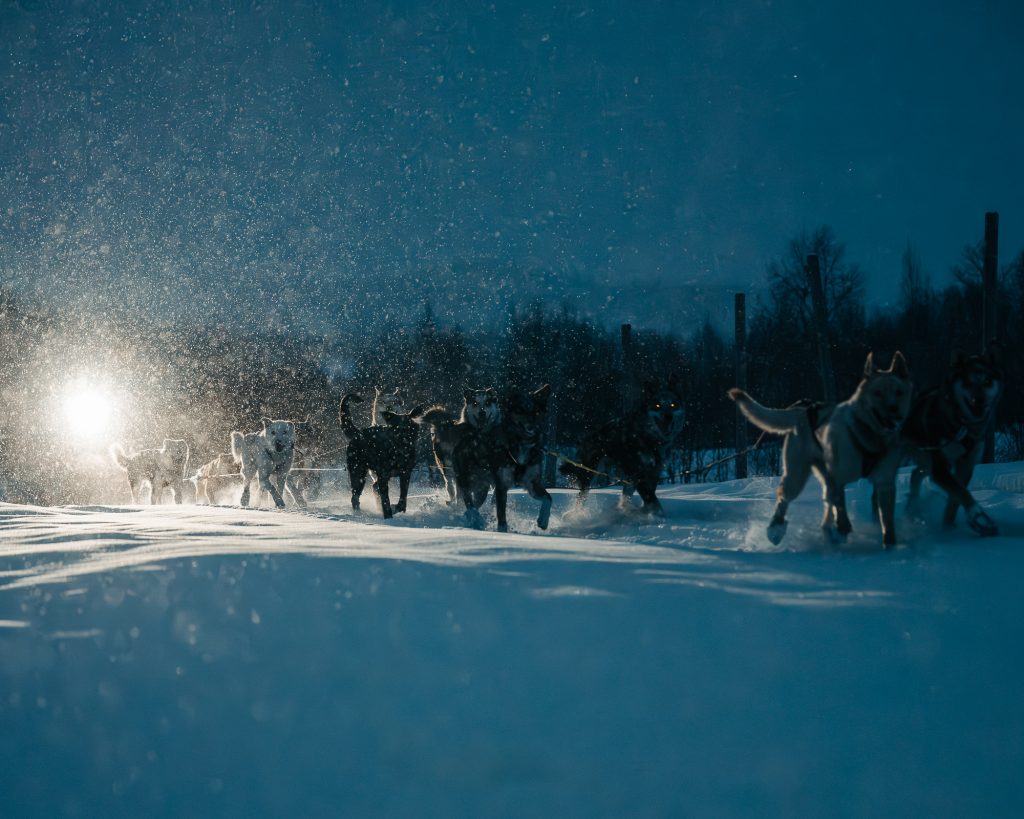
(505, 454)
(223, 464)
(264, 455)
(840, 443)
(162, 468)
(945, 434)
(635, 445)
(386, 402)
(480, 411)
(387, 451)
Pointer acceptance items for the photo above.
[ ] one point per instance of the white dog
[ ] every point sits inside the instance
(267, 453)
(162, 468)
(386, 402)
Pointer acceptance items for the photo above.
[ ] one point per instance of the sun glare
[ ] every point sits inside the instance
(88, 411)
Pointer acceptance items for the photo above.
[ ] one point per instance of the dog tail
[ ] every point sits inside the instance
(117, 453)
(347, 424)
(767, 418)
(237, 445)
(436, 416)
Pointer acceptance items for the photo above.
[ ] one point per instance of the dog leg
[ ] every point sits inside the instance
(791, 484)
(380, 486)
(886, 494)
(357, 478)
(538, 492)
(155, 490)
(956, 491)
(914, 495)
(133, 487)
(246, 483)
(298, 497)
(403, 491)
(652, 506)
(500, 503)
(267, 486)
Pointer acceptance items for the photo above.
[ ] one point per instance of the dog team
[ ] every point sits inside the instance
(497, 441)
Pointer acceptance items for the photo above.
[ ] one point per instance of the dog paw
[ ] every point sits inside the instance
(981, 523)
(777, 531)
(473, 519)
(502, 527)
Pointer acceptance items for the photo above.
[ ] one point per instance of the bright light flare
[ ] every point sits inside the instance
(89, 412)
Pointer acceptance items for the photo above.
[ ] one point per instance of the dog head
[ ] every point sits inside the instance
(279, 436)
(406, 420)
(481, 408)
(662, 407)
(387, 402)
(976, 384)
(177, 450)
(885, 395)
(523, 413)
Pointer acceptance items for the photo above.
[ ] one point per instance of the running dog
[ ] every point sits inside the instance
(265, 454)
(945, 434)
(505, 454)
(223, 464)
(480, 411)
(162, 468)
(635, 445)
(387, 452)
(840, 443)
(385, 402)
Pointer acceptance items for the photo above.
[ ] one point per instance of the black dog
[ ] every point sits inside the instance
(506, 454)
(388, 452)
(945, 433)
(635, 445)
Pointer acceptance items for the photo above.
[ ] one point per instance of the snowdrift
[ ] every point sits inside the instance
(219, 661)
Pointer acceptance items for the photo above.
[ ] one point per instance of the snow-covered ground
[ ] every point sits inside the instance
(216, 661)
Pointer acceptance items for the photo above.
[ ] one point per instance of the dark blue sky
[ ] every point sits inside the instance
(305, 164)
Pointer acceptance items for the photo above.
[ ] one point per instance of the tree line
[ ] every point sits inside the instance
(200, 382)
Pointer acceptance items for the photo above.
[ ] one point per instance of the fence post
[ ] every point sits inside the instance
(741, 382)
(820, 322)
(989, 319)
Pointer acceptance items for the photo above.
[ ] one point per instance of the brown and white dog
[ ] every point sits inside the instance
(857, 438)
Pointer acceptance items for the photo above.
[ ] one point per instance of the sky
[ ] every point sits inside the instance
(311, 166)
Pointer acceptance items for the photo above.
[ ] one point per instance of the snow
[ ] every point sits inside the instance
(219, 661)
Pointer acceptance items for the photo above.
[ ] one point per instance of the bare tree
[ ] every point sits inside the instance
(915, 283)
(842, 281)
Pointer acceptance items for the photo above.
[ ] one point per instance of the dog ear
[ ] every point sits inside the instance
(266, 421)
(541, 396)
(869, 365)
(957, 359)
(417, 412)
(899, 367)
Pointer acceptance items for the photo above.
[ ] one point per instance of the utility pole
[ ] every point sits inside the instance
(741, 382)
(989, 317)
(820, 322)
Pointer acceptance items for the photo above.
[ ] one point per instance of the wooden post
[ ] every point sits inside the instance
(552, 438)
(741, 382)
(828, 379)
(628, 373)
(989, 320)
